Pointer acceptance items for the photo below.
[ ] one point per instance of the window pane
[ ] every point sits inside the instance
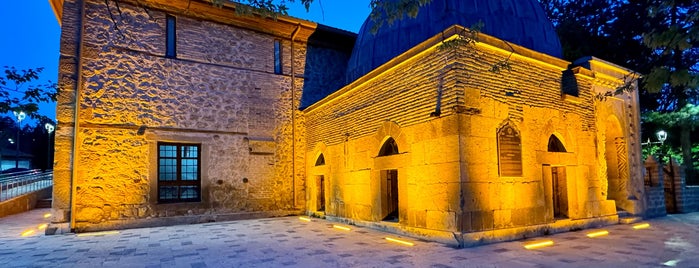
(171, 37)
(168, 192)
(167, 170)
(189, 192)
(168, 151)
(189, 151)
(277, 57)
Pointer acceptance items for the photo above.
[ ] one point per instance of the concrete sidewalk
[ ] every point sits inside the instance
(289, 241)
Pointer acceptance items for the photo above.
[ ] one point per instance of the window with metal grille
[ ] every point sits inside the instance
(179, 172)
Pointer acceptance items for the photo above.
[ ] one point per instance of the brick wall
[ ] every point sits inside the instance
(655, 189)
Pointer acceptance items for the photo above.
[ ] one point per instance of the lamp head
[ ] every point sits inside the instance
(661, 135)
(20, 115)
(49, 127)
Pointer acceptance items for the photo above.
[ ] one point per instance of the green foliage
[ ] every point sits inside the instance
(390, 11)
(687, 116)
(20, 92)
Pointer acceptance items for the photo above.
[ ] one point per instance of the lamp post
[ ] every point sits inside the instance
(49, 129)
(20, 116)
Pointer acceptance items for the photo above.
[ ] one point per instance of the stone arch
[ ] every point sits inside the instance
(617, 163)
(556, 127)
(392, 130)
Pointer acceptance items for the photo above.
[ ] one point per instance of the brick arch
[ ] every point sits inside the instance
(390, 129)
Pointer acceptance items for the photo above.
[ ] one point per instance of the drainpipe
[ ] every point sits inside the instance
(76, 122)
(293, 117)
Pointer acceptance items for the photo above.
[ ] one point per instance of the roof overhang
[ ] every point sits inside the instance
(57, 6)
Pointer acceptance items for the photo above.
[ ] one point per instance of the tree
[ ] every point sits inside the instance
(658, 38)
(19, 91)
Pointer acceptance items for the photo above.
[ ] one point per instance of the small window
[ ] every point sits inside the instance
(320, 161)
(389, 148)
(277, 56)
(555, 145)
(179, 177)
(171, 37)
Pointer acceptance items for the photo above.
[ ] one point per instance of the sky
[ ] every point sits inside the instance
(30, 36)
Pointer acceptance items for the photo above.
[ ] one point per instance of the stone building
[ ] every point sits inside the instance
(179, 112)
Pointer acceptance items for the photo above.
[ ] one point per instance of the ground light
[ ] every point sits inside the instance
(42, 226)
(341, 227)
(538, 244)
(306, 219)
(97, 233)
(27, 232)
(47, 215)
(597, 233)
(395, 240)
(641, 226)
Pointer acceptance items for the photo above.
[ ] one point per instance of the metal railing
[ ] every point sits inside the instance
(24, 182)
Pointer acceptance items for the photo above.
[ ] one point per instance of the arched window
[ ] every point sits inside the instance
(509, 151)
(320, 161)
(555, 145)
(389, 148)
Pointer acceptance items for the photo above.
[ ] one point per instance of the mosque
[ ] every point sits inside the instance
(462, 125)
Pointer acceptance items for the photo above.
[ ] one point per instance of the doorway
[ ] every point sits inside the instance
(389, 195)
(560, 192)
(320, 206)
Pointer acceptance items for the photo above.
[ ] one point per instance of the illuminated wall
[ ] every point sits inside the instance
(220, 92)
(444, 109)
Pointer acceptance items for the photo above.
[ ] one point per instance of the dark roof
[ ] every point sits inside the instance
(521, 22)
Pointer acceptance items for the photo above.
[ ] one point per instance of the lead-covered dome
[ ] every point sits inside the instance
(522, 22)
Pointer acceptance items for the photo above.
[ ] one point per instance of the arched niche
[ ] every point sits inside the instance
(509, 151)
(389, 147)
(555, 145)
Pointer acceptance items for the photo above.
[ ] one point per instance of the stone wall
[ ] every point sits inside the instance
(219, 91)
(444, 108)
(23, 203)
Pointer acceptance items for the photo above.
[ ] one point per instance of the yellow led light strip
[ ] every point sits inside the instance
(98, 233)
(539, 244)
(305, 219)
(641, 226)
(27, 232)
(400, 241)
(597, 234)
(341, 227)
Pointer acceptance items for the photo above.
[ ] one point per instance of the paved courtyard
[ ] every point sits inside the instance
(291, 242)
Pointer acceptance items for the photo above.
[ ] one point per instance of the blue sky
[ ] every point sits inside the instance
(30, 36)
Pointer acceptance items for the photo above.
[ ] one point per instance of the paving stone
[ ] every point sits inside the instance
(194, 246)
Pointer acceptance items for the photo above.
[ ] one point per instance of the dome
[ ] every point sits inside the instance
(522, 22)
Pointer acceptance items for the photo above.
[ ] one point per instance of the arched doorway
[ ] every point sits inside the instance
(558, 185)
(389, 184)
(616, 156)
(320, 182)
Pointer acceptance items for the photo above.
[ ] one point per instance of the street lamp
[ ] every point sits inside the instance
(661, 135)
(20, 116)
(49, 129)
